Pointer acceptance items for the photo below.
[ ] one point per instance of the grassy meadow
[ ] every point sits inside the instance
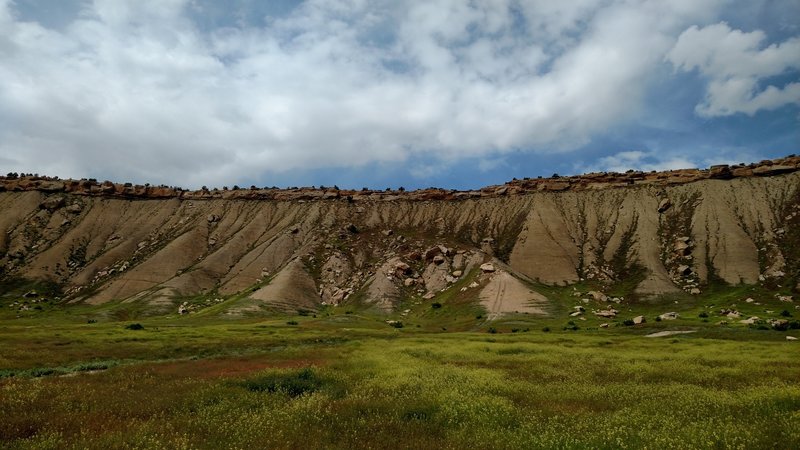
(343, 378)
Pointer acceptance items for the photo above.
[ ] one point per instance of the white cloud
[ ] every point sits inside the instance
(659, 160)
(134, 90)
(639, 160)
(736, 66)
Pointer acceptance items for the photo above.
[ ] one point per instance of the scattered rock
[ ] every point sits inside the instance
(791, 338)
(598, 296)
(438, 259)
(212, 218)
(74, 208)
(352, 228)
(457, 273)
(487, 268)
(52, 203)
(669, 316)
(639, 320)
(607, 313)
(603, 325)
(684, 270)
(431, 252)
(664, 205)
(387, 233)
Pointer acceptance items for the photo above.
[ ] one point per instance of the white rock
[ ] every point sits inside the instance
(487, 267)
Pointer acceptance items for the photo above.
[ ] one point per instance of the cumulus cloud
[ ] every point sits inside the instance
(139, 90)
(736, 66)
(649, 160)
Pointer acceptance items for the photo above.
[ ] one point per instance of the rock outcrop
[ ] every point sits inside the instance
(306, 248)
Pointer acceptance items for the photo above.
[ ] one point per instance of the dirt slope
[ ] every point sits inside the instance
(301, 253)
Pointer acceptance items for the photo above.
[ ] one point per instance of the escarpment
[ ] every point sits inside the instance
(256, 250)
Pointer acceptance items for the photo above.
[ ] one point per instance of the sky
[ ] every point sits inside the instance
(453, 93)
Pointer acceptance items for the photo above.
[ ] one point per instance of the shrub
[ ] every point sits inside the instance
(134, 326)
(479, 317)
(546, 329)
(571, 326)
(628, 322)
(786, 313)
(436, 305)
(492, 330)
(703, 315)
(293, 384)
(91, 321)
(292, 322)
(658, 318)
(397, 324)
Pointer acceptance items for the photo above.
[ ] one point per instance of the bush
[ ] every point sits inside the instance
(436, 305)
(571, 326)
(628, 322)
(703, 315)
(546, 329)
(134, 326)
(91, 321)
(786, 313)
(292, 322)
(492, 330)
(397, 324)
(658, 318)
(293, 384)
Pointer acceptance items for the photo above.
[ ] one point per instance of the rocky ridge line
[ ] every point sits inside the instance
(585, 182)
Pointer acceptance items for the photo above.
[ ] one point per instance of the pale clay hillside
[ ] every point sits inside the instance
(662, 236)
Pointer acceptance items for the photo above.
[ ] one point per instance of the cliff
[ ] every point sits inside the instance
(258, 249)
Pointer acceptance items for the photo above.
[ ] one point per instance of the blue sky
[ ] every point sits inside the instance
(379, 94)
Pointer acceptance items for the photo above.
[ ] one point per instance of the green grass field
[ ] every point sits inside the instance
(346, 379)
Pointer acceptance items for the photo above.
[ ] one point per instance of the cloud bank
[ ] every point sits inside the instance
(142, 90)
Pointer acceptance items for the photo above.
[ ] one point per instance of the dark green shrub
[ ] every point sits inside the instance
(546, 329)
(436, 305)
(134, 326)
(786, 313)
(628, 322)
(492, 330)
(397, 324)
(292, 322)
(293, 384)
(703, 315)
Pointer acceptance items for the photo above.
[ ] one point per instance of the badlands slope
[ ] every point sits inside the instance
(259, 250)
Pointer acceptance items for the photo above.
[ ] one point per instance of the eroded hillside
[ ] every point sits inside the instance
(245, 255)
